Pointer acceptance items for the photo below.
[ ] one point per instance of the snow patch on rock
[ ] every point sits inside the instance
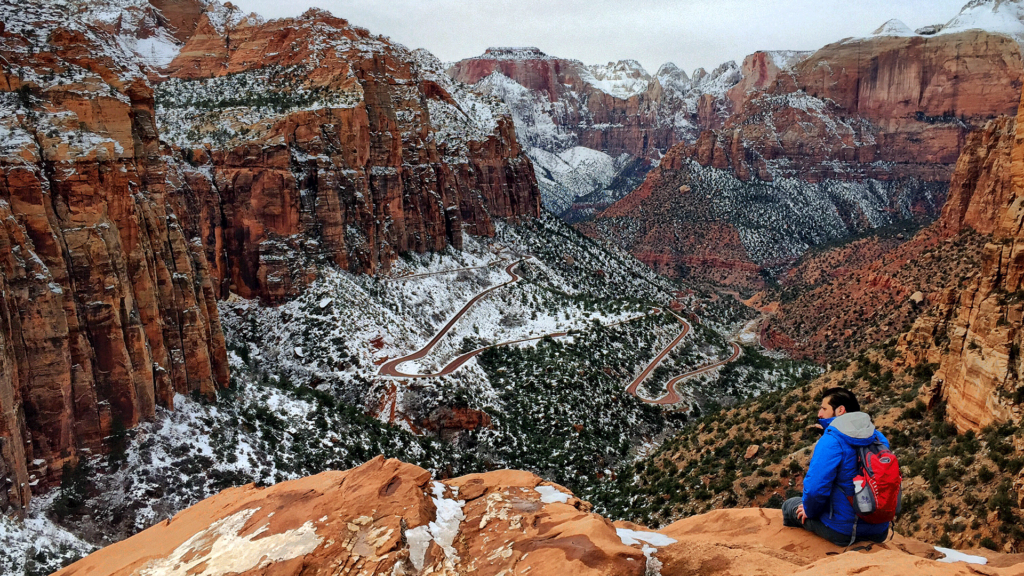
(442, 530)
(957, 556)
(550, 495)
(220, 549)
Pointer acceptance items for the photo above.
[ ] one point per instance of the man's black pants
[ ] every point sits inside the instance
(817, 527)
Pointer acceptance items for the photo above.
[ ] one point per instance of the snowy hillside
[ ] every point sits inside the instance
(997, 16)
(241, 107)
(778, 221)
(571, 174)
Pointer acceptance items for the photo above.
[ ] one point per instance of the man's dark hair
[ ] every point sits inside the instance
(841, 397)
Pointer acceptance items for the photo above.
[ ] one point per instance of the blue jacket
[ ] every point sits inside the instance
(834, 464)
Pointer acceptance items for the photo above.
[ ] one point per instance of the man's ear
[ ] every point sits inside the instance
(840, 410)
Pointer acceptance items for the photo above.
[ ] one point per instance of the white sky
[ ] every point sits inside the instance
(690, 33)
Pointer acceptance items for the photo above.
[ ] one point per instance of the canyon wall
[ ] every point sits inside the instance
(861, 134)
(108, 303)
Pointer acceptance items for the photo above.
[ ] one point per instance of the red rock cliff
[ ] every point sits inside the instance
(108, 303)
(389, 159)
(114, 246)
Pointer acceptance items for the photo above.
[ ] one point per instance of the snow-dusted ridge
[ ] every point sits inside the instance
(1004, 17)
(567, 172)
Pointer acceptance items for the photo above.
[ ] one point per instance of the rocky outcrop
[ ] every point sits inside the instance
(108, 305)
(982, 186)
(371, 153)
(386, 517)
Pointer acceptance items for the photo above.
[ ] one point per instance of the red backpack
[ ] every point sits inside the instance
(877, 489)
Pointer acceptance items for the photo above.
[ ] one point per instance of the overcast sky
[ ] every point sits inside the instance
(690, 33)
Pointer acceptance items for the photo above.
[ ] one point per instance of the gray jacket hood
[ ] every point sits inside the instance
(855, 425)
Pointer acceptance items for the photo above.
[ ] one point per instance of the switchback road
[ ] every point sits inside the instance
(671, 395)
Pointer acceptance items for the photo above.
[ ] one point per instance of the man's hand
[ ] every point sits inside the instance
(800, 514)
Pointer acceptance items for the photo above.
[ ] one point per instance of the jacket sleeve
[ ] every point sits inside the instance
(821, 474)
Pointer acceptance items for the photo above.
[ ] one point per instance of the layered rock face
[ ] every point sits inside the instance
(387, 517)
(108, 305)
(886, 106)
(309, 140)
(974, 332)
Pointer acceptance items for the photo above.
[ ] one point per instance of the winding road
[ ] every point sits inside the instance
(390, 368)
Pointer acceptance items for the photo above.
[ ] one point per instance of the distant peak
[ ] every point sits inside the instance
(625, 64)
(514, 53)
(623, 68)
(669, 69)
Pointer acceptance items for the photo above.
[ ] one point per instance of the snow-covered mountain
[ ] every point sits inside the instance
(849, 138)
(625, 116)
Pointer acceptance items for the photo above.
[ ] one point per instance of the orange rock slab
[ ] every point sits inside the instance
(371, 519)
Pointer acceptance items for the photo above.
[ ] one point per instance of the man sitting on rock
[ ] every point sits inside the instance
(824, 508)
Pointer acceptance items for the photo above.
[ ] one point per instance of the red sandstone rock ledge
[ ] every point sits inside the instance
(388, 517)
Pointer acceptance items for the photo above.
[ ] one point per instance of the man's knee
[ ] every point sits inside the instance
(789, 512)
